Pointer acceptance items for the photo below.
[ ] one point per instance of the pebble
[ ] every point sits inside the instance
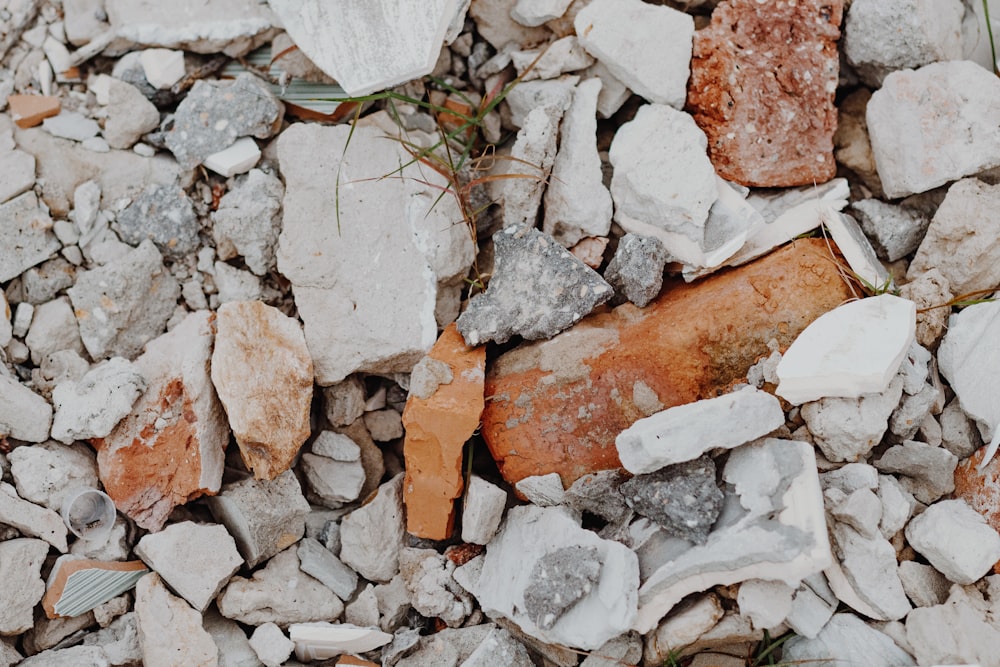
(170, 632)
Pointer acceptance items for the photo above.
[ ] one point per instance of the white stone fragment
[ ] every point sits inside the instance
(765, 603)
(777, 495)
(248, 220)
(239, 158)
(685, 625)
(130, 115)
(499, 648)
(231, 640)
(319, 562)
(868, 566)
(31, 519)
(962, 630)
(956, 540)
(648, 47)
(554, 59)
(162, 67)
(664, 184)
(47, 473)
(576, 202)
(53, 328)
(533, 13)
(966, 359)
(21, 562)
(614, 93)
(934, 125)
(372, 535)
(271, 645)
(24, 415)
(434, 593)
(543, 490)
(846, 429)
(17, 173)
(71, 125)
(846, 640)
(530, 165)
(368, 45)
(924, 585)
(319, 641)
(849, 351)
(856, 248)
(482, 510)
(812, 606)
(530, 95)
(229, 26)
(196, 560)
(685, 432)
(26, 238)
(93, 406)
(23, 315)
(528, 534)
(170, 632)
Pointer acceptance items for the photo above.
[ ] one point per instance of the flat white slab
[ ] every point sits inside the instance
(685, 432)
(855, 246)
(239, 158)
(319, 641)
(852, 350)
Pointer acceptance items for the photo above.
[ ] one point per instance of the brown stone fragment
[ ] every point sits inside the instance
(442, 412)
(763, 77)
(264, 376)
(65, 567)
(30, 110)
(980, 489)
(557, 405)
(171, 448)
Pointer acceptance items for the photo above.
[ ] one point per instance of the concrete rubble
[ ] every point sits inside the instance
(562, 345)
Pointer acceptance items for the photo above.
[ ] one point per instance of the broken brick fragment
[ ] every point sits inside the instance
(30, 110)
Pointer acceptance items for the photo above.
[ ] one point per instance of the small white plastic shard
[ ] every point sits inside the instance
(239, 158)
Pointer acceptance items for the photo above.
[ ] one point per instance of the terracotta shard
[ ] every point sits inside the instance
(763, 77)
(557, 405)
(264, 376)
(441, 413)
(980, 488)
(171, 448)
(30, 110)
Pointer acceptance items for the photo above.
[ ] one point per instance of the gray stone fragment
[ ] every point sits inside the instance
(850, 478)
(130, 115)
(344, 401)
(482, 510)
(924, 585)
(263, 516)
(393, 601)
(956, 540)
(847, 640)
(363, 610)
(894, 231)
(163, 214)
(319, 562)
(21, 571)
(119, 641)
(846, 429)
(522, 185)
(625, 649)
(960, 631)
(215, 114)
(869, 565)
(17, 168)
(93, 406)
(538, 289)
(47, 473)
(248, 221)
(26, 238)
(24, 415)
(43, 282)
(530, 95)
(78, 656)
(71, 125)
(598, 494)
(911, 412)
(928, 472)
(125, 303)
(372, 535)
(233, 647)
(636, 270)
(53, 328)
(9, 655)
(499, 649)
(447, 648)
(959, 434)
(683, 498)
(333, 470)
(812, 606)
(384, 425)
(558, 580)
(898, 505)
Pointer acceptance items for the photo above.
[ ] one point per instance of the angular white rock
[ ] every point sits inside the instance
(554, 59)
(664, 184)
(482, 510)
(271, 645)
(543, 490)
(533, 13)
(230, 26)
(774, 527)
(532, 157)
(162, 67)
(956, 540)
(47, 473)
(372, 535)
(92, 407)
(369, 45)
(812, 606)
(21, 562)
(849, 351)
(170, 632)
(31, 519)
(647, 47)
(24, 415)
(239, 158)
(319, 562)
(765, 603)
(934, 125)
(319, 641)
(26, 238)
(868, 569)
(963, 629)
(684, 626)
(847, 640)
(576, 202)
(685, 432)
(856, 247)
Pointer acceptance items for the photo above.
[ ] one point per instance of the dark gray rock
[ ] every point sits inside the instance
(683, 498)
(636, 270)
(42, 283)
(895, 231)
(926, 471)
(217, 113)
(538, 289)
(597, 493)
(558, 580)
(164, 215)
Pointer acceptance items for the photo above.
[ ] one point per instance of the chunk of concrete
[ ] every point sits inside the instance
(924, 585)
(765, 603)
(433, 590)
(47, 473)
(869, 567)
(248, 221)
(636, 270)
(849, 639)
(525, 175)
(93, 406)
(685, 432)
(846, 429)
(21, 562)
(26, 237)
(170, 632)
(852, 350)
(24, 415)
(894, 230)
(372, 535)
(956, 540)
(682, 498)
(164, 215)
(333, 470)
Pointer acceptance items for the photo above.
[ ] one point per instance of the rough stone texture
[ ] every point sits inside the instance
(271, 645)
(961, 630)
(924, 585)
(846, 429)
(279, 593)
(214, 114)
(372, 535)
(434, 593)
(437, 425)
(531, 157)
(53, 328)
(319, 562)
(495, 23)
(758, 76)
(881, 37)
(851, 145)
(846, 639)
(130, 115)
(869, 566)
(636, 270)
(929, 289)
(24, 415)
(647, 47)
(558, 580)
(926, 471)
(963, 240)
(21, 569)
(482, 511)
(26, 237)
(334, 470)
(195, 560)
(384, 425)
(164, 215)
(30, 519)
(233, 647)
(345, 401)
(576, 202)
(934, 125)
(530, 95)
(364, 312)
(663, 183)
(691, 342)
(955, 540)
(93, 406)
(683, 627)
(125, 303)
(683, 499)
(47, 473)
(538, 289)
(895, 231)
(170, 631)
(499, 649)
(170, 448)
(248, 221)
(556, 58)
(263, 373)
(598, 494)
(263, 516)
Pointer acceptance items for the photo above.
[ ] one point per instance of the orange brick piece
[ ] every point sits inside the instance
(30, 110)
(557, 405)
(438, 420)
